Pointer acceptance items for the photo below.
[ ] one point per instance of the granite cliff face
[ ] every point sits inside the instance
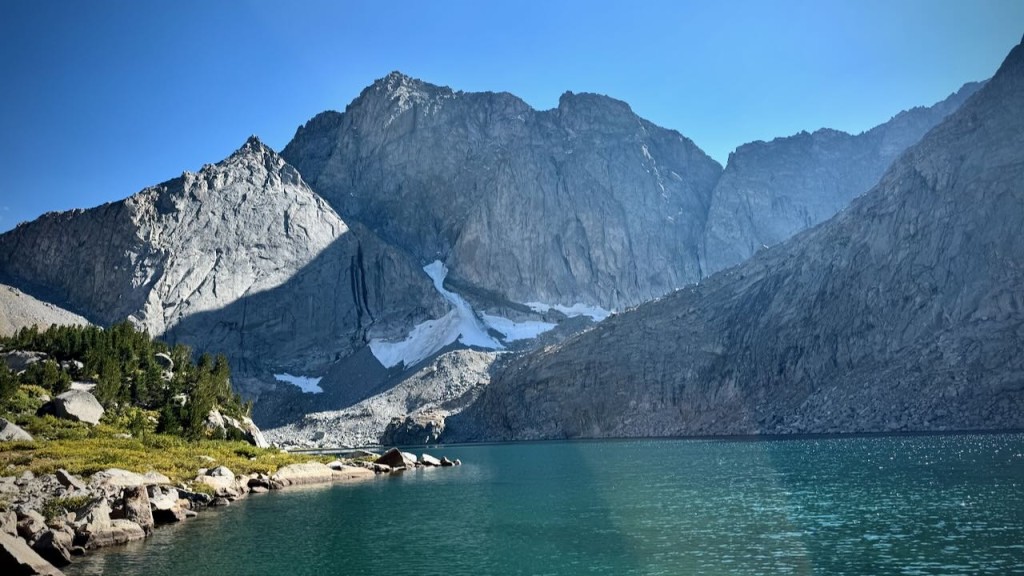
(19, 310)
(586, 203)
(903, 312)
(769, 191)
(241, 258)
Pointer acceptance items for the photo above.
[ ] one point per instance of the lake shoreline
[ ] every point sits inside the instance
(53, 518)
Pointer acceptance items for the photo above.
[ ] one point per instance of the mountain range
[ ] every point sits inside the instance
(423, 219)
(904, 312)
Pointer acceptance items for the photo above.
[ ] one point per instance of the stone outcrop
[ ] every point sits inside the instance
(166, 505)
(410, 431)
(18, 360)
(584, 203)
(224, 425)
(769, 191)
(11, 432)
(55, 546)
(432, 392)
(116, 478)
(19, 310)
(96, 529)
(903, 312)
(300, 474)
(395, 459)
(18, 559)
(79, 406)
(134, 505)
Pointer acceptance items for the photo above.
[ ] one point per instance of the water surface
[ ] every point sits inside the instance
(875, 505)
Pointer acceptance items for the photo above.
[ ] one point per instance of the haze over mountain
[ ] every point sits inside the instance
(903, 312)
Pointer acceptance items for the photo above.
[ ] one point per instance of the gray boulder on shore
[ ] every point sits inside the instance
(18, 559)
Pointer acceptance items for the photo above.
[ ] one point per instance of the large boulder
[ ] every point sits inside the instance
(299, 474)
(166, 504)
(78, 405)
(223, 482)
(395, 458)
(10, 432)
(352, 474)
(17, 559)
(30, 523)
(225, 425)
(134, 505)
(95, 529)
(69, 480)
(55, 546)
(118, 478)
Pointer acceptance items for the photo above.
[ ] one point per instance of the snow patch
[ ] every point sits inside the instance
(427, 338)
(513, 330)
(474, 333)
(596, 313)
(307, 384)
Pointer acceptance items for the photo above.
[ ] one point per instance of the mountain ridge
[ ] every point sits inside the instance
(901, 313)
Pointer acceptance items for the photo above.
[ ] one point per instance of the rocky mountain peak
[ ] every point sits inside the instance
(592, 104)
(253, 145)
(253, 162)
(481, 180)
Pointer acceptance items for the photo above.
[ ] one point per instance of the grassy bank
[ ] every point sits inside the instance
(82, 450)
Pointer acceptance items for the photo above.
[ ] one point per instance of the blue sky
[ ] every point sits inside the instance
(105, 97)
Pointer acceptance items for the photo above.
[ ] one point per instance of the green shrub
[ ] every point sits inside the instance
(55, 507)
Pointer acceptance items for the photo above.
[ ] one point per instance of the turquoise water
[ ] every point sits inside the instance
(880, 505)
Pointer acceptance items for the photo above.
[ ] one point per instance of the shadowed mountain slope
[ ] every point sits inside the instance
(903, 312)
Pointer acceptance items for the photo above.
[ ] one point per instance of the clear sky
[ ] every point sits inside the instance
(99, 99)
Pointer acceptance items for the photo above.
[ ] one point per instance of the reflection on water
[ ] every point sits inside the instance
(880, 505)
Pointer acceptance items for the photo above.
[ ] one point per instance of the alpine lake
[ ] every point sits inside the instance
(872, 505)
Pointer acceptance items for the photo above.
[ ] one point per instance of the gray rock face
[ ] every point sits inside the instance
(769, 191)
(432, 392)
(583, 203)
(19, 310)
(241, 257)
(78, 405)
(17, 558)
(225, 425)
(903, 312)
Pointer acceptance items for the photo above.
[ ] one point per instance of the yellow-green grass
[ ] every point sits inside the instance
(82, 450)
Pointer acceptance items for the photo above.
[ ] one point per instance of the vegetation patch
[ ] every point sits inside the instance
(56, 507)
(156, 401)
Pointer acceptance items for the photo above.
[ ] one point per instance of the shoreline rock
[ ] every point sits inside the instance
(121, 506)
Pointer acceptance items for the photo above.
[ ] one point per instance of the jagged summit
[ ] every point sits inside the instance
(253, 143)
(571, 100)
(585, 204)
